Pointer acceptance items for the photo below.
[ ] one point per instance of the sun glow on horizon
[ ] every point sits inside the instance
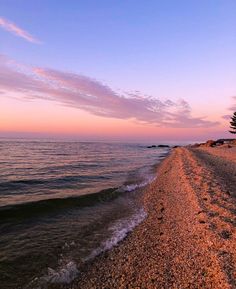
(152, 78)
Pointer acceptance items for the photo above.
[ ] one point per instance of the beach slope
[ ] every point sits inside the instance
(188, 239)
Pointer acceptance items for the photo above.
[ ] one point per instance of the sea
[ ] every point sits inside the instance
(64, 203)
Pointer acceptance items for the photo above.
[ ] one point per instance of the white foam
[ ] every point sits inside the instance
(64, 275)
(67, 273)
(132, 187)
(119, 231)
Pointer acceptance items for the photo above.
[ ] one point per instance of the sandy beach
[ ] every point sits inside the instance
(188, 239)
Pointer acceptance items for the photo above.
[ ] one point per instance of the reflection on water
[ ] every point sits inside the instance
(53, 212)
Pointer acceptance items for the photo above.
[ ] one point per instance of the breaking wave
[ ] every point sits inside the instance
(66, 274)
(119, 231)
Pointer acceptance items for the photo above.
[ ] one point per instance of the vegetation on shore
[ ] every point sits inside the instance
(233, 123)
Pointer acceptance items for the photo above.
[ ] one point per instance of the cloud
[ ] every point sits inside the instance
(226, 117)
(95, 97)
(13, 28)
(233, 107)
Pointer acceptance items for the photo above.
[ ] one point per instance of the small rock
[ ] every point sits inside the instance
(202, 222)
(225, 234)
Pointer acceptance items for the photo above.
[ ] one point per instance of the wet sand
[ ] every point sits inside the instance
(188, 239)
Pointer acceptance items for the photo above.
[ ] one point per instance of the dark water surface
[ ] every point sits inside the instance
(63, 203)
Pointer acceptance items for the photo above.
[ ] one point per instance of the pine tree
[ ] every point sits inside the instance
(233, 123)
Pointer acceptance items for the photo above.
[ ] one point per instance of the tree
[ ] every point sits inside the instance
(233, 123)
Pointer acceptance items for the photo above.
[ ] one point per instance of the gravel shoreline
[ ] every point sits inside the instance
(188, 239)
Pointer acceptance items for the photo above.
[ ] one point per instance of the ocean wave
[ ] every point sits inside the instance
(49, 206)
(119, 230)
(66, 274)
(53, 205)
(132, 187)
(50, 182)
(63, 275)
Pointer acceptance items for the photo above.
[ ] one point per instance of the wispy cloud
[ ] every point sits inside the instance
(97, 98)
(231, 108)
(226, 116)
(13, 28)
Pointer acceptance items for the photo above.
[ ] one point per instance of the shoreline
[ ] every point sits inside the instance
(188, 238)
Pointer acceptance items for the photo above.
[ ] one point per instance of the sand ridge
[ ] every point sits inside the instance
(222, 152)
(188, 238)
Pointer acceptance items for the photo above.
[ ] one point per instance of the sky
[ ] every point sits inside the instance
(114, 70)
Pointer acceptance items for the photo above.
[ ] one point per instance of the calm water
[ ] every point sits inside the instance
(63, 203)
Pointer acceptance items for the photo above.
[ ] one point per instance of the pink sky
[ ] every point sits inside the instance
(45, 101)
(57, 103)
(128, 76)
